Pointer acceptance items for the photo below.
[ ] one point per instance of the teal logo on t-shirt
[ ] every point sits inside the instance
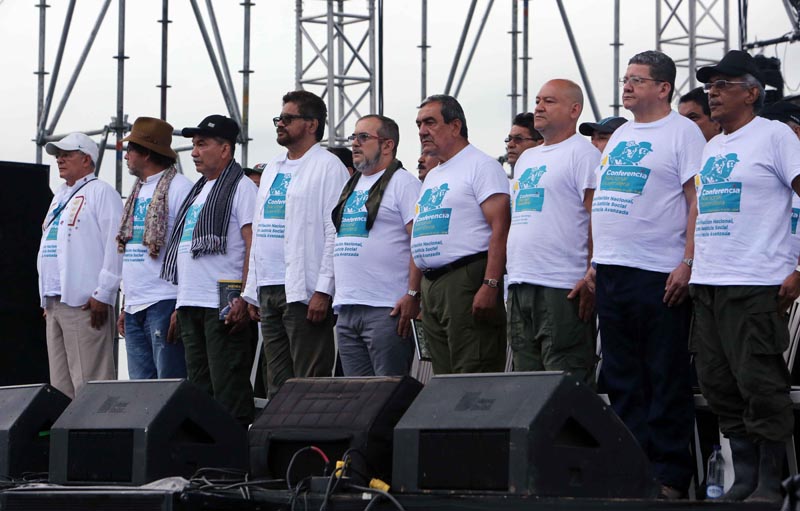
(718, 193)
(624, 173)
(52, 234)
(191, 219)
(530, 196)
(275, 205)
(795, 216)
(431, 218)
(139, 214)
(354, 217)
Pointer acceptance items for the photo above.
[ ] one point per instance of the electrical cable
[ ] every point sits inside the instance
(378, 493)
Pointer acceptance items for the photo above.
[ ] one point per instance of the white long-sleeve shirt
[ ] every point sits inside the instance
(82, 242)
(309, 233)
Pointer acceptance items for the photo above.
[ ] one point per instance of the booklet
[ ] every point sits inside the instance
(419, 340)
(228, 291)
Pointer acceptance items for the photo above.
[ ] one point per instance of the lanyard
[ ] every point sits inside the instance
(63, 205)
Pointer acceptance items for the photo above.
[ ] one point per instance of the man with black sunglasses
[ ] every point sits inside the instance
(290, 284)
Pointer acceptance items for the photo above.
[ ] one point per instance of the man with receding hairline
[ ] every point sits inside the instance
(550, 307)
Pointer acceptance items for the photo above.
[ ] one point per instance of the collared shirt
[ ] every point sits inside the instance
(82, 243)
(309, 233)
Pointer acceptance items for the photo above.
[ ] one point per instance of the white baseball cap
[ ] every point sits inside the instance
(74, 142)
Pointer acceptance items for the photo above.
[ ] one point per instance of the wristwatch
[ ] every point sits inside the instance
(689, 261)
(413, 292)
(490, 282)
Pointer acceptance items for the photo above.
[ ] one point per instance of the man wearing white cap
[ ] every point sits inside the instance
(79, 268)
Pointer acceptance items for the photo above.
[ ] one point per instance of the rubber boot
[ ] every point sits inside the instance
(772, 455)
(744, 454)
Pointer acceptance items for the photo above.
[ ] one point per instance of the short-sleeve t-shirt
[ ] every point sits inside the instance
(198, 278)
(449, 222)
(639, 211)
(548, 239)
(140, 272)
(371, 267)
(744, 197)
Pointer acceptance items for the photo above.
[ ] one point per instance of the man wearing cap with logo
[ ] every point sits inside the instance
(459, 243)
(550, 307)
(521, 136)
(745, 276)
(79, 268)
(694, 106)
(643, 215)
(207, 252)
(599, 132)
(148, 218)
(291, 279)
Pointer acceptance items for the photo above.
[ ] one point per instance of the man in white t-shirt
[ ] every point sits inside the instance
(377, 284)
(521, 137)
(643, 215)
(291, 281)
(147, 220)
(550, 306)
(459, 243)
(745, 276)
(207, 256)
(79, 268)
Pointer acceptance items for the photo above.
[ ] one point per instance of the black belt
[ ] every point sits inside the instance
(435, 273)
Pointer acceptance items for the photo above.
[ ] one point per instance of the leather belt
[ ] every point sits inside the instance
(435, 273)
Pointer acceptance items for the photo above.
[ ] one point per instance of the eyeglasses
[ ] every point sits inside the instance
(721, 84)
(363, 138)
(518, 140)
(636, 80)
(287, 119)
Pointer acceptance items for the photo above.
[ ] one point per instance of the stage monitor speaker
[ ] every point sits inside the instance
(27, 412)
(543, 434)
(334, 414)
(134, 432)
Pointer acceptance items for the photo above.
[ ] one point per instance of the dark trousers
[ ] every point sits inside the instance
(218, 361)
(646, 366)
(739, 336)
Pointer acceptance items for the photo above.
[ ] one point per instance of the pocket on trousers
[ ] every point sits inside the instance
(766, 332)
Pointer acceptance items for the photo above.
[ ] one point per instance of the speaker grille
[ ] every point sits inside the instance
(114, 466)
(464, 459)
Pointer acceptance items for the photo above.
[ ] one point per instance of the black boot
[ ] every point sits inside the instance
(770, 468)
(745, 469)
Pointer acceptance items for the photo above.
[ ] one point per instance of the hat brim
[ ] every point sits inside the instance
(590, 128)
(52, 148)
(704, 74)
(168, 152)
(190, 132)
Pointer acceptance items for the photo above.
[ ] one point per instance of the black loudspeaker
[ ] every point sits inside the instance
(134, 432)
(543, 434)
(27, 413)
(23, 205)
(334, 414)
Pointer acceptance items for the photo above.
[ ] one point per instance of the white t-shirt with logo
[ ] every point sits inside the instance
(793, 222)
(371, 267)
(449, 223)
(270, 229)
(548, 239)
(639, 211)
(744, 196)
(140, 272)
(198, 278)
(48, 259)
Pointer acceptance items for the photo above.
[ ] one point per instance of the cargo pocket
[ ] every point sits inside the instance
(766, 331)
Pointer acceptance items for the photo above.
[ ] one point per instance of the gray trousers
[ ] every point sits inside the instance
(369, 344)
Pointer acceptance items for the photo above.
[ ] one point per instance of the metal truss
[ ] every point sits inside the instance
(335, 58)
(694, 33)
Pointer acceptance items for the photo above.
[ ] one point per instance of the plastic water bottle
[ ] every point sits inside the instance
(715, 476)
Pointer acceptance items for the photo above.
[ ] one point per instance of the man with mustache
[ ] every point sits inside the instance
(291, 280)
(377, 284)
(459, 243)
(425, 163)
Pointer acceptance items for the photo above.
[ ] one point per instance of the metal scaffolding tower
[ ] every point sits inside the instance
(335, 58)
(696, 32)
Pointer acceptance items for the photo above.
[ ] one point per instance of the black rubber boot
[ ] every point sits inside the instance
(744, 454)
(770, 468)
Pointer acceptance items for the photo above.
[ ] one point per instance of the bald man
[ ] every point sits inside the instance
(550, 308)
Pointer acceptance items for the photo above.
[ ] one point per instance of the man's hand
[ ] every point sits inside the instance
(485, 302)
(174, 331)
(585, 300)
(98, 313)
(238, 316)
(408, 308)
(677, 285)
(255, 312)
(790, 290)
(121, 324)
(318, 307)
(591, 279)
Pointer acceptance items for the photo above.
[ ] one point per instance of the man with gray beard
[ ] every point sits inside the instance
(377, 283)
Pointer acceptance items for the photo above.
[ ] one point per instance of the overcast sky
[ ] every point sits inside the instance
(195, 94)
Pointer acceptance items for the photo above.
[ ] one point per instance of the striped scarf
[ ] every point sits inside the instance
(156, 219)
(210, 235)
